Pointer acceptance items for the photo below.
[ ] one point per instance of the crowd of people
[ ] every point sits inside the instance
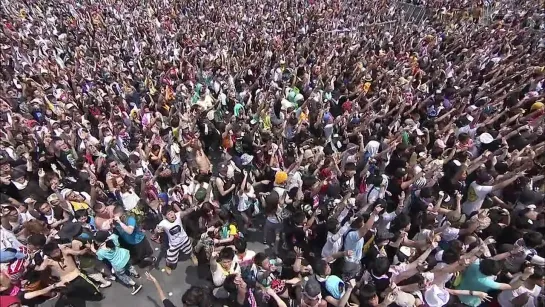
(388, 162)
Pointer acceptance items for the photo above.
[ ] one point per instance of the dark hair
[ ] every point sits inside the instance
(240, 245)
(450, 256)
(532, 239)
(400, 222)
(367, 293)
(350, 166)
(331, 225)
(80, 213)
(489, 267)
(298, 218)
(197, 297)
(103, 236)
(37, 240)
(320, 267)
(226, 254)
(539, 273)
(166, 209)
(259, 258)
(229, 283)
(380, 266)
(50, 247)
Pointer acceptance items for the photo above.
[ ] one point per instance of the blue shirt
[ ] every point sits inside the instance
(135, 237)
(118, 257)
(474, 280)
(354, 242)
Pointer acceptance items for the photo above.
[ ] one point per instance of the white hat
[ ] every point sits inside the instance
(486, 138)
(436, 297)
(246, 159)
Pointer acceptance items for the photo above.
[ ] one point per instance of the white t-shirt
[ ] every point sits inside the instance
(475, 197)
(175, 231)
(443, 278)
(174, 154)
(505, 297)
(130, 200)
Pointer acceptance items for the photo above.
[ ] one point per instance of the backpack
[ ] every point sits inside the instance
(249, 275)
(344, 239)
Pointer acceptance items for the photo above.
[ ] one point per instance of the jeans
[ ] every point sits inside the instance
(124, 275)
(270, 232)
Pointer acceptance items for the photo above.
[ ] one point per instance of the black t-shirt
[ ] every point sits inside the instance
(509, 235)
(298, 237)
(394, 187)
(344, 182)
(396, 162)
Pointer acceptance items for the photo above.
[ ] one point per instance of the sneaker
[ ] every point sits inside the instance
(168, 270)
(136, 288)
(112, 278)
(148, 261)
(105, 285)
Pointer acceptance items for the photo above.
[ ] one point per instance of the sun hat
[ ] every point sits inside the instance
(246, 159)
(486, 138)
(436, 297)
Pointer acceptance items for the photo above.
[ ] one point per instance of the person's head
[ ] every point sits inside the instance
(262, 260)
(234, 283)
(322, 268)
(402, 222)
(36, 242)
(240, 245)
(380, 266)
(10, 212)
(350, 169)
(489, 267)
(52, 250)
(44, 208)
(169, 213)
(332, 225)
(197, 297)
(299, 218)
(538, 278)
(119, 210)
(311, 294)
(225, 258)
(101, 238)
(100, 208)
(81, 216)
(450, 256)
(368, 295)
(112, 166)
(532, 239)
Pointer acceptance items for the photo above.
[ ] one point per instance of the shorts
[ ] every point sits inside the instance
(140, 251)
(80, 290)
